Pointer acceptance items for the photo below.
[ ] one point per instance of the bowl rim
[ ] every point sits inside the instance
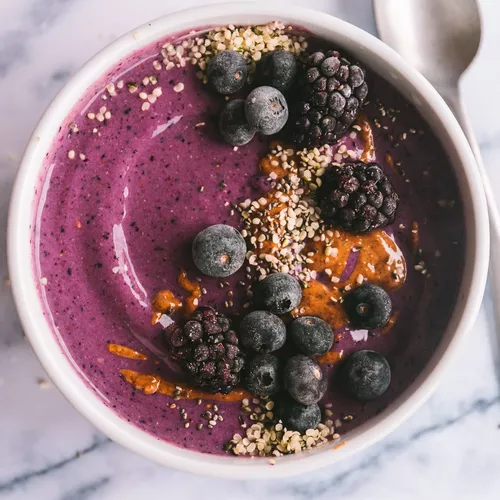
(59, 365)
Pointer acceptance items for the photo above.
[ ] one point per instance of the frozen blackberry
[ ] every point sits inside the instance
(365, 375)
(263, 375)
(277, 69)
(330, 94)
(219, 250)
(279, 293)
(262, 331)
(311, 335)
(266, 110)
(233, 124)
(357, 197)
(368, 306)
(207, 348)
(296, 416)
(304, 379)
(227, 72)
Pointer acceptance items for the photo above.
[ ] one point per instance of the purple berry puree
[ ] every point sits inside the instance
(117, 221)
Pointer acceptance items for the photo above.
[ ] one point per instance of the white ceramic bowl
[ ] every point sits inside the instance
(378, 57)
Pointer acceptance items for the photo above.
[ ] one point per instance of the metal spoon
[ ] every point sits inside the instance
(440, 38)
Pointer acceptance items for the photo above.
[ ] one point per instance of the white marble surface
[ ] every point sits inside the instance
(449, 450)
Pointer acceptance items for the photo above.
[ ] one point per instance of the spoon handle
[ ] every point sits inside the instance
(455, 102)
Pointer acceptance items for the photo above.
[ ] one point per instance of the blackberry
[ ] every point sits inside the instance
(331, 92)
(357, 197)
(207, 348)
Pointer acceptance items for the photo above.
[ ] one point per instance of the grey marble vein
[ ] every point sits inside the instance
(29, 475)
(10, 327)
(491, 141)
(39, 16)
(87, 490)
(52, 85)
(383, 452)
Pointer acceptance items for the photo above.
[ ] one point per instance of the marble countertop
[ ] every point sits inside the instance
(450, 449)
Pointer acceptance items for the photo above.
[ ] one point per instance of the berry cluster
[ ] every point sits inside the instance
(208, 349)
(331, 93)
(357, 197)
(300, 381)
(211, 352)
(265, 109)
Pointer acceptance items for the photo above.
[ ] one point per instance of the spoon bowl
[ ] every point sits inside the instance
(438, 37)
(441, 38)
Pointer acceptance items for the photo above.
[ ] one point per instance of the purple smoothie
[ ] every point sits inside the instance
(117, 224)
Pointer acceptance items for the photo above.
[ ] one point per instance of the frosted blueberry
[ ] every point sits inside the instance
(266, 110)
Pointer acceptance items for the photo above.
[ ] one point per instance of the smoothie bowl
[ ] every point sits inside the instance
(248, 239)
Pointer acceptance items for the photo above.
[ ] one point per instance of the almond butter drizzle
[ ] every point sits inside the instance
(337, 446)
(380, 261)
(151, 384)
(270, 164)
(390, 324)
(156, 318)
(388, 159)
(126, 352)
(390, 162)
(330, 357)
(194, 289)
(164, 302)
(267, 167)
(366, 134)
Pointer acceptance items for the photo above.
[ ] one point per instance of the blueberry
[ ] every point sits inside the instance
(262, 331)
(266, 110)
(364, 375)
(219, 250)
(311, 335)
(227, 72)
(297, 417)
(233, 125)
(304, 379)
(368, 307)
(277, 69)
(278, 293)
(263, 375)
